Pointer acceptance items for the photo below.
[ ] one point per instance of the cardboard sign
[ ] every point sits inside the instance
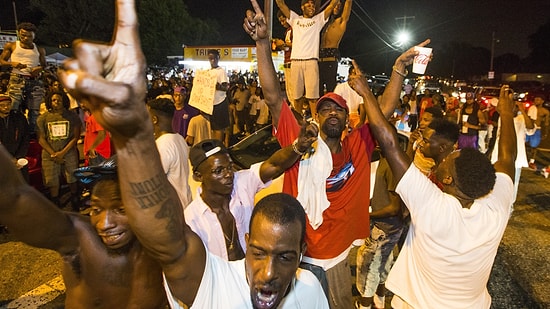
(204, 88)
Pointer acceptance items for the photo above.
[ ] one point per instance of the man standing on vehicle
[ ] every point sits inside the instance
(305, 49)
(336, 208)
(27, 61)
(329, 55)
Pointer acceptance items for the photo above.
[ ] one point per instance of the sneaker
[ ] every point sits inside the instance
(545, 172)
(379, 302)
(532, 166)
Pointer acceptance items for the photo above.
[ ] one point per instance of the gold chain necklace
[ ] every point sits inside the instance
(232, 234)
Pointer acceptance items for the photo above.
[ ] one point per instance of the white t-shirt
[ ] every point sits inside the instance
(353, 99)
(447, 256)
(219, 95)
(263, 115)
(204, 222)
(199, 129)
(174, 154)
(306, 35)
(224, 286)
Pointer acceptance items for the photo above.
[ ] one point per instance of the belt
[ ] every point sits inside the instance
(308, 59)
(286, 65)
(29, 77)
(327, 59)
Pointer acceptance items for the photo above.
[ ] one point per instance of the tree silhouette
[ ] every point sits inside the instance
(164, 25)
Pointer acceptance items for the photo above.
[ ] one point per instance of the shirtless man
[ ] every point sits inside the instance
(104, 266)
(541, 119)
(331, 36)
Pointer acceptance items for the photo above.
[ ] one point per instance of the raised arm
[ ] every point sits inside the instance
(110, 79)
(255, 25)
(382, 130)
(330, 7)
(390, 98)
(346, 12)
(507, 145)
(29, 216)
(282, 6)
(284, 158)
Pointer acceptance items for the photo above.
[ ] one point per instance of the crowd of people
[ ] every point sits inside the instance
(147, 243)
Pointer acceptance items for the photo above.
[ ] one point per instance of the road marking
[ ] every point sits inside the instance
(39, 296)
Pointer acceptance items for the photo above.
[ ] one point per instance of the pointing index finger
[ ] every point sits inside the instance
(126, 23)
(256, 7)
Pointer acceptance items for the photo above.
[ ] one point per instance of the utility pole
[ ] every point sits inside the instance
(492, 51)
(404, 18)
(268, 5)
(491, 74)
(15, 14)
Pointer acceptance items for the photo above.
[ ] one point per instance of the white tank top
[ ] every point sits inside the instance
(30, 57)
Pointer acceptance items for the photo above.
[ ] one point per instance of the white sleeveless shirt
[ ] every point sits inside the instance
(30, 57)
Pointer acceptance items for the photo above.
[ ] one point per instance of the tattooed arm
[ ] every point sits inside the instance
(110, 79)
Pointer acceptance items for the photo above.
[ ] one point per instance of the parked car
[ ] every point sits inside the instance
(486, 93)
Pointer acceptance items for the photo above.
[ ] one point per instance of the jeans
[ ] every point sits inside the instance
(374, 260)
(26, 94)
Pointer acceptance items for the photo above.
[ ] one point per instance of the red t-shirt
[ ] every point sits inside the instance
(92, 129)
(347, 217)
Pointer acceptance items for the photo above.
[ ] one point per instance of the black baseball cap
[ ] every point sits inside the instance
(205, 149)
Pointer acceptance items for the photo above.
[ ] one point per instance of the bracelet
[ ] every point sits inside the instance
(394, 68)
(295, 149)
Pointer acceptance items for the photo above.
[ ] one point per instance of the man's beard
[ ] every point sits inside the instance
(333, 131)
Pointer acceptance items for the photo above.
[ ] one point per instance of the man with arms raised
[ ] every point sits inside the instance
(455, 231)
(305, 49)
(337, 212)
(112, 79)
(329, 55)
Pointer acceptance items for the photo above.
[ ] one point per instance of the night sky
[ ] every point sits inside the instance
(469, 21)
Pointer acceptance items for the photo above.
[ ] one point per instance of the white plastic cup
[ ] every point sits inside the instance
(22, 162)
(421, 60)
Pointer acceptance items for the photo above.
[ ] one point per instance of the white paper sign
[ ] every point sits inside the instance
(204, 88)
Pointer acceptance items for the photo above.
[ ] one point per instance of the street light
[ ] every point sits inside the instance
(403, 38)
(493, 41)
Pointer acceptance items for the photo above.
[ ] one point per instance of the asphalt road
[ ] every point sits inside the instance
(520, 277)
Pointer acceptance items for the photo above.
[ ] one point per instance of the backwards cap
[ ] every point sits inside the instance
(205, 149)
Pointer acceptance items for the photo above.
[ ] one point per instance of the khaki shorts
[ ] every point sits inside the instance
(305, 74)
(51, 170)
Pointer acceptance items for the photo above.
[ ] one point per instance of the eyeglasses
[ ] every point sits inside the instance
(223, 170)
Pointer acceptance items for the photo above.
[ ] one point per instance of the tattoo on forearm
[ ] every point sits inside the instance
(168, 212)
(150, 193)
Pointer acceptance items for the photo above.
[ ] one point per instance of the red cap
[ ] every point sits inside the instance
(331, 96)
